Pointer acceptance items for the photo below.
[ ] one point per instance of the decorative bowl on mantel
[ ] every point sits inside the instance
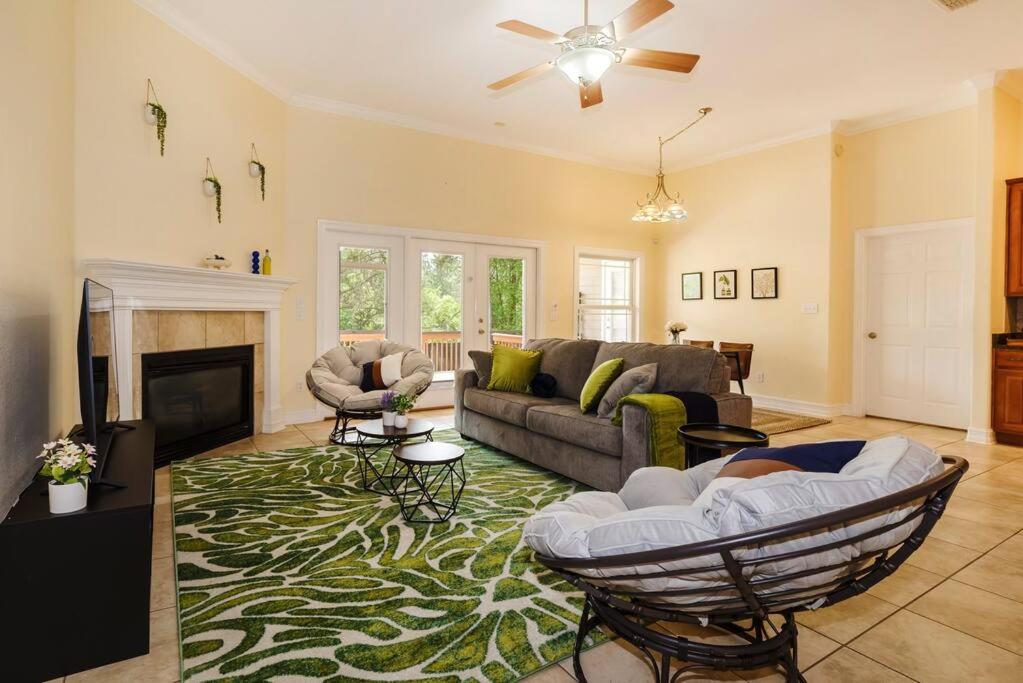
(217, 263)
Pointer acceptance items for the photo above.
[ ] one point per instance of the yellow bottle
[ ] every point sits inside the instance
(267, 263)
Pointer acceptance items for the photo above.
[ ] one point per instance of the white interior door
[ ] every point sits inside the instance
(917, 336)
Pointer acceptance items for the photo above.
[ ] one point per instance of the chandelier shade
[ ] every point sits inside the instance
(661, 206)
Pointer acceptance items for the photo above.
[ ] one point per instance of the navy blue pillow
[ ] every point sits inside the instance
(543, 385)
(828, 456)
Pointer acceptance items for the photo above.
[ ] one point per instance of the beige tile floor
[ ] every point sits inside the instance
(953, 613)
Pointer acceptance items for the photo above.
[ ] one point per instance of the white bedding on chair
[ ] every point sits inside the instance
(655, 509)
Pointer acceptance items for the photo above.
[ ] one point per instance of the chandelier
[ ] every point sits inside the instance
(661, 207)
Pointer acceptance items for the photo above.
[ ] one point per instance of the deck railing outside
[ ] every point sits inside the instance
(443, 348)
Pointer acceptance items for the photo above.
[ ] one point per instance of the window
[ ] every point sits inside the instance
(606, 307)
(362, 309)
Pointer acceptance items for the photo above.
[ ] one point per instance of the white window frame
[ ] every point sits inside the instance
(636, 257)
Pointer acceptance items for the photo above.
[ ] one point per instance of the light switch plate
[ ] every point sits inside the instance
(810, 308)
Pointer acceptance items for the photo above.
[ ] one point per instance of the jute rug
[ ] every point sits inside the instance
(287, 568)
(776, 422)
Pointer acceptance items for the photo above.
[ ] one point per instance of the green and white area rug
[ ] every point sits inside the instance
(287, 568)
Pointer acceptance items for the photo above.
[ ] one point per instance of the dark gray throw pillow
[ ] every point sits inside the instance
(638, 380)
(483, 362)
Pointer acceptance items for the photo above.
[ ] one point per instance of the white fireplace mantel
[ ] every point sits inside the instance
(147, 286)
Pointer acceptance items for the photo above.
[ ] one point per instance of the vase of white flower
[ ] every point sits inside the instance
(68, 465)
(675, 329)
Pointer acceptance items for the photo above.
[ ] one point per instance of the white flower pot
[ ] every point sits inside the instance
(68, 497)
(388, 418)
(253, 169)
(209, 188)
(401, 421)
(149, 115)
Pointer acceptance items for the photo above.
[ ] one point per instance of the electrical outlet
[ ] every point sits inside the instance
(760, 376)
(300, 309)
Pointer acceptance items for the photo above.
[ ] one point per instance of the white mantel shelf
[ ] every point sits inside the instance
(149, 286)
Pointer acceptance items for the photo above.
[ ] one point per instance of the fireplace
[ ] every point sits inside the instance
(199, 399)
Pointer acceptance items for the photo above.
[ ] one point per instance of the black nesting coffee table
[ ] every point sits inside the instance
(433, 481)
(373, 440)
(705, 441)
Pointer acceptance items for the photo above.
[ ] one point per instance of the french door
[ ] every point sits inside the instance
(445, 297)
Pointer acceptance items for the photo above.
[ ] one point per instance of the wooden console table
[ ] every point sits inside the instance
(75, 587)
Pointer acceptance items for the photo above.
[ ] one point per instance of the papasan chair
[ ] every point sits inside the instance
(335, 377)
(744, 558)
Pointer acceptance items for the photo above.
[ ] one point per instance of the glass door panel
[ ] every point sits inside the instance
(442, 308)
(362, 290)
(506, 301)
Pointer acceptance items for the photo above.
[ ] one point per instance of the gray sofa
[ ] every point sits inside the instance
(555, 434)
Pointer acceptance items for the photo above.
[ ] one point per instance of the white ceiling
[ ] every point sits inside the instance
(772, 69)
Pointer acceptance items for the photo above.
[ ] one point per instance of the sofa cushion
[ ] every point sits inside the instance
(506, 406)
(635, 381)
(483, 362)
(569, 361)
(565, 422)
(597, 384)
(513, 369)
(679, 367)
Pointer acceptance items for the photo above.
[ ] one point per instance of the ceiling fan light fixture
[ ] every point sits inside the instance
(584, 65)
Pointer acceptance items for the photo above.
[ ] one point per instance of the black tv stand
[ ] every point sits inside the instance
(109, 545)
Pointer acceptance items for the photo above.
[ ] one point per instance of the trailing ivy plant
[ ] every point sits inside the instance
(262, 179)
(160, 114)
(212, 179)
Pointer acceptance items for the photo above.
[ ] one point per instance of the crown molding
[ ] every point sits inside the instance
(357, 111)
(804, 134)
(168, 14)
(959, 100)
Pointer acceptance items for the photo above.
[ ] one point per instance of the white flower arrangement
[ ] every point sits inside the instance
(66, 462)
(676, 327)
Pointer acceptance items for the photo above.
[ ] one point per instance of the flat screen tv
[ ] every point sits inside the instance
(97, 371)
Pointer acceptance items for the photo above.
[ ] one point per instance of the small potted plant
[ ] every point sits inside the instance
(67, 465)
(675, 329)
(401, 404)
(386, 411)
(211, 186)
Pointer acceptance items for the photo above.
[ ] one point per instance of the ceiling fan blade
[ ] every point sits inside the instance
(660, 59)
(521, 27)
(636, 16)
(590, 95)
(521, 76)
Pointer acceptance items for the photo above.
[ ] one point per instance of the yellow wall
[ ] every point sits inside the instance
(36, 318)
(768, 208)
(363, 172)
(131, 203)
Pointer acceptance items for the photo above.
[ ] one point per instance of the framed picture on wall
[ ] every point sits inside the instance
(692, 286)
(724, 284)
(764, 283)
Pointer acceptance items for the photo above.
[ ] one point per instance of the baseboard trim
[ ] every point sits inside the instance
(301, 416)
(789, 405)
(982, 435)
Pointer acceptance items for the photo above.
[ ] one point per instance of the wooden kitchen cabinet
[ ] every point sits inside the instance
(1007, 395)
(1014, 237)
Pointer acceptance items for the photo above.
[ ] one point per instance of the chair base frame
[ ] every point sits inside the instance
(343, 432)
(763, 648)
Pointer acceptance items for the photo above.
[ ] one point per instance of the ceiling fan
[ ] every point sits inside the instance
(588, 51)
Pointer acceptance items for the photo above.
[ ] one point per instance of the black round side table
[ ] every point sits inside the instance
(375, 438)
(433, 483)
(704, 441)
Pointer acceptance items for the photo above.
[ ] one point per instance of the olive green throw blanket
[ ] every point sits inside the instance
(664, 414)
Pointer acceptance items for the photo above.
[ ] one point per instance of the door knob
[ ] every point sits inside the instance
(871, 335)
(481, 331)
(481, 321)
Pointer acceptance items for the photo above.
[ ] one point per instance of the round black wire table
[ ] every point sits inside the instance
(705, 441)
(373, 440)
(434, 478)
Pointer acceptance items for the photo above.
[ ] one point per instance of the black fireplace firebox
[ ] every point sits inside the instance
(199, 399)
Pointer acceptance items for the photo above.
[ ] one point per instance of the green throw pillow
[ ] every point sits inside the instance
(513, 369)
(602, 377)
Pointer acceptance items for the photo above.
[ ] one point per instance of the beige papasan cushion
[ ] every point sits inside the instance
(335, 376)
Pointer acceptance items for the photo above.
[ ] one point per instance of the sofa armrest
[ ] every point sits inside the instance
(464, 379)
(635, 440)
(734, 409)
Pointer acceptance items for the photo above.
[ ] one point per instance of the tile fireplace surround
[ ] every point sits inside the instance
(175, 308)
